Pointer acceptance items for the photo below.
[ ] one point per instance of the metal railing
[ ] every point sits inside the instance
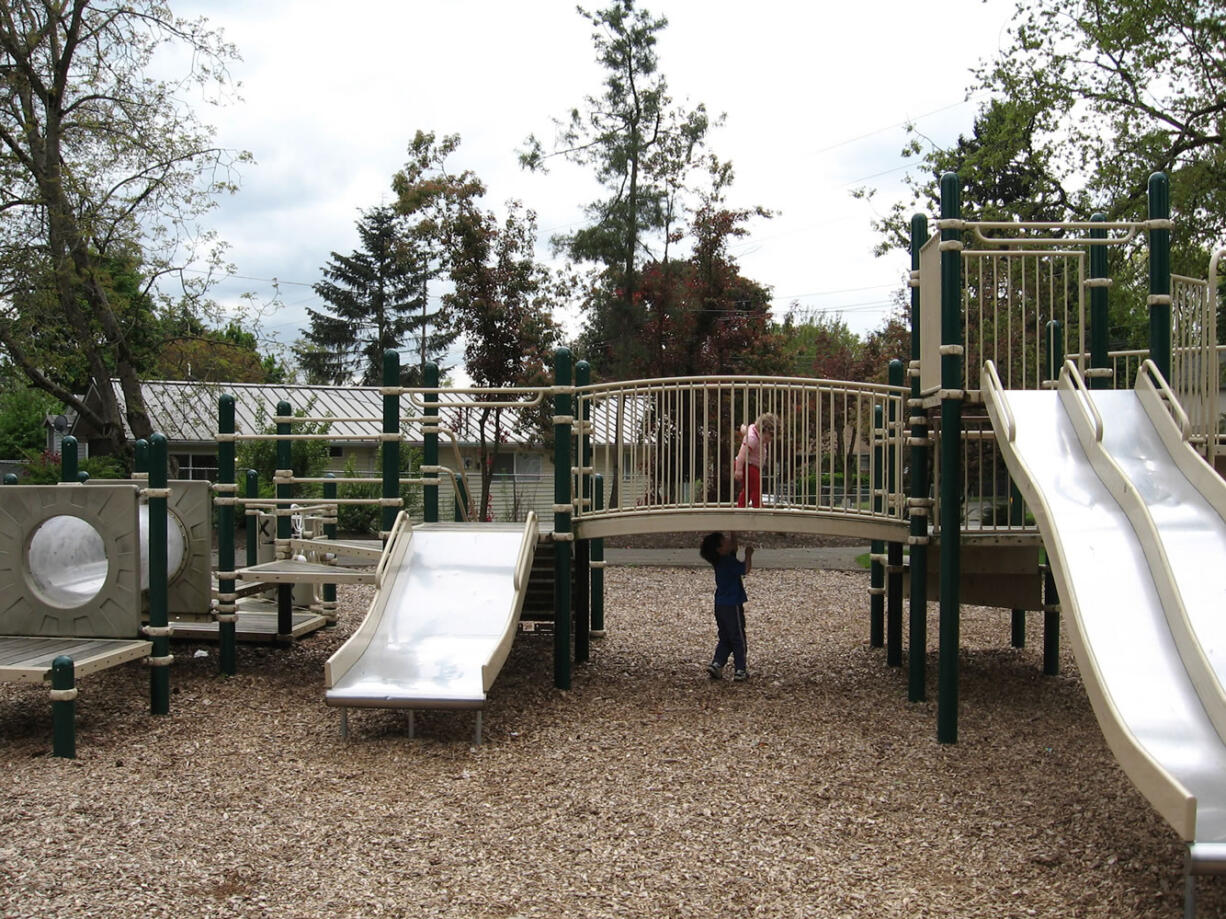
(671, 445)
(1009, 296)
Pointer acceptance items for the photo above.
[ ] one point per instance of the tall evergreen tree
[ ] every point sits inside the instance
(641, 146)
(379, 302)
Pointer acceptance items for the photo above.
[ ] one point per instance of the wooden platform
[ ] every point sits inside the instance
(357, 548)
(28, 660)
(252, 625)
(288, 571)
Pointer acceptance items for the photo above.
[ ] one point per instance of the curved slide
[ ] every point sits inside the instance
(1134, 523)
(446, 609)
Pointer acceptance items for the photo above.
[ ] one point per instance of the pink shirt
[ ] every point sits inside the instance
(753, 446)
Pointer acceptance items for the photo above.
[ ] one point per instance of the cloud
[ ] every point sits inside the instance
(814, 95)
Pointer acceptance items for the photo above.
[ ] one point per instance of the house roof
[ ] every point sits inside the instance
(187, 411)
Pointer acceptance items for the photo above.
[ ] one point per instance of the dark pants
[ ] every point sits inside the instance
(730, 620)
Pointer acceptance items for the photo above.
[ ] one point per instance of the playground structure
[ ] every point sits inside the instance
(1023, 308)
(79, 563)
(960, 477)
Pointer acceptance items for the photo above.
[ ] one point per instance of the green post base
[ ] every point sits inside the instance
(583, 599)
(63, 707)
(1017, 637)
(1051, 626)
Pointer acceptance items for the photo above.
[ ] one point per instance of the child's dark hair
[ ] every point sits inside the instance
(710, 548)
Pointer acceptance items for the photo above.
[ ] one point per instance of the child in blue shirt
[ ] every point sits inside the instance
(730, 599)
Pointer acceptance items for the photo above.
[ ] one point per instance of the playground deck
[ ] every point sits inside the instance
(28, 660)
(257, 621)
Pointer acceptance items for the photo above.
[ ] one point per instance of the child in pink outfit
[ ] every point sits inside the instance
(748, 467)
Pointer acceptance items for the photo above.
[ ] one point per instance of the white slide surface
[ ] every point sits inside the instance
(445, 612)
(1134, 523)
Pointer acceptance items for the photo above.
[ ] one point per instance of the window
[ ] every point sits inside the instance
(195, 466)
(518, 464)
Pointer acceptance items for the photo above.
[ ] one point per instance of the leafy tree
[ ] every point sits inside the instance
(502, 297)
(1085, 101)
(367, 519)
(501, 303)
(641, 147)
(378, 296)
(191, 350)
(23, 411)
(696, 315)
(308, 458)
(823, 346)
(97, 157)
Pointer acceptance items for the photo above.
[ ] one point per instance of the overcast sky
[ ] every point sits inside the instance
(815, 96)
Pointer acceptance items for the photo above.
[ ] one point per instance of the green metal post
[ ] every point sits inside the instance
(391, 441)
(252, 516)
(597, 556)
(140, 458)
(876, 569)
(1017, 630)
(68, 459)
(1099, 313)
(951, 458)
(227, 604)
(63, 707)
(921, 503)
(1055, 349)
(1160, 273)
(329, 590)
(893, 620)
(583, 566)
(561, 519)
(160, 659)
(429, 494)
(1051, 624)
(285, 462)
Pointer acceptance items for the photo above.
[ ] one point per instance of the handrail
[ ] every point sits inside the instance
(450, 473)
(1150, 370)
(998, 396)
(521, 562)
(681, 382)
(459, 464)
(1070, 373)
(402, 519)
(537, 394)
(977, 227)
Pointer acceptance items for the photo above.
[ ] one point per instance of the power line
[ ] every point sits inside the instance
(900, 124)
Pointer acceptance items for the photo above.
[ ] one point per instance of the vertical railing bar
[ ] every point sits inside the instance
(1021, 325)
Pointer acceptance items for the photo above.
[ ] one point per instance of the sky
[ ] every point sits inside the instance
(815, 96)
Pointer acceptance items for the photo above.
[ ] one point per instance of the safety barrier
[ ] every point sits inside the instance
(670, 447)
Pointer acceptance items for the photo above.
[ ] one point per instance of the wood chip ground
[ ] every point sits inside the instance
(813, 790)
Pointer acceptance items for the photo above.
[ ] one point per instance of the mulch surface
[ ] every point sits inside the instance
(646, 789)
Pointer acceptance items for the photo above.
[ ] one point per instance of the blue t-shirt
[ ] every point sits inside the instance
(729, 591)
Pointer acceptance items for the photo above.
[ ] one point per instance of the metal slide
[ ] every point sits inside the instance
(1134, 523)
(446, 609)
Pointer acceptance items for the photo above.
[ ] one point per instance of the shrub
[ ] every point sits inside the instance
(45, 468)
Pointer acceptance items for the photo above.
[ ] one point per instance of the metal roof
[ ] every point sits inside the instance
(187, 411)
